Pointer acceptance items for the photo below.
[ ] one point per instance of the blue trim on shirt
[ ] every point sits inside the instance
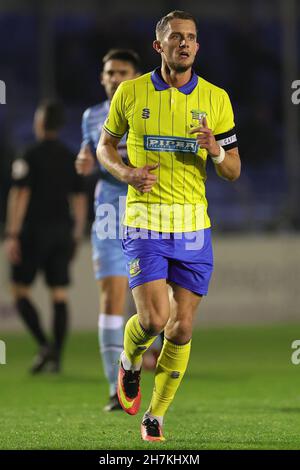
(160, 84)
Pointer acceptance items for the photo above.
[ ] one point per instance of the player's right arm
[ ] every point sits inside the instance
(140, 178)
(115, 126)
(85, 161)
(17, 204)
(18, 199)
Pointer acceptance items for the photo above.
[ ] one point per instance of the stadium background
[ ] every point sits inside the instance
(252, 49)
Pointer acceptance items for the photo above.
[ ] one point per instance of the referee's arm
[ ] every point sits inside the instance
(18, 197)
(17, 204)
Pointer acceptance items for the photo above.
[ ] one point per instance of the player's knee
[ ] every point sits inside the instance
(111, 306)
(112, 296)
(181, 331)
(20, 292)
(153, 323)
(59, 294)
(154, 327)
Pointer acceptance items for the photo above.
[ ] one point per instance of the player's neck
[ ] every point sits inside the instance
(47, 135)
(175, 79)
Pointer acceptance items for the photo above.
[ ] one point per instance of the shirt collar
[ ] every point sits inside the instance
(160, 84)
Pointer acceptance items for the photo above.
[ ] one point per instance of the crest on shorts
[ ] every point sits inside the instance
(134, 267)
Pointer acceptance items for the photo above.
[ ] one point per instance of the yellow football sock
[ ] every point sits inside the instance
(136, 340)
(170, 369)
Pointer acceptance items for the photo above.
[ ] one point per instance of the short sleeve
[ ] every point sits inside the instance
(224, 132)
(21, 172)
(116, 123)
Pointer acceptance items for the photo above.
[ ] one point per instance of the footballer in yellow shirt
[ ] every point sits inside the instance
(174, 121)
(159, 119)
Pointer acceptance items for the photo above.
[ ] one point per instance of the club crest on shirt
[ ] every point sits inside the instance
(198, 115)
(146, 113)
(134, 267)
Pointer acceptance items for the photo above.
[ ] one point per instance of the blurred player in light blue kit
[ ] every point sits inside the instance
(108, 258)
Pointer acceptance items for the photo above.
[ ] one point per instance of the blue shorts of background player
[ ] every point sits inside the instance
(185, 258)
(108, 257)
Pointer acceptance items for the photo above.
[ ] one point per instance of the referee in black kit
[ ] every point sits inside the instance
(45, 221)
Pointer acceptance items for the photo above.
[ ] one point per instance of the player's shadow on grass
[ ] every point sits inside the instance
(215, 377)
(288, 410)
(66, 378)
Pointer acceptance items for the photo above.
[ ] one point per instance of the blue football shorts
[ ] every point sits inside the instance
(183, 258)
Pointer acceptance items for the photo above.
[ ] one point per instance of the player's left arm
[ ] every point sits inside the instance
(230, 167)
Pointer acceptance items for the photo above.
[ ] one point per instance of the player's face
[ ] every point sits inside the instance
(114, 73)
(178, 45)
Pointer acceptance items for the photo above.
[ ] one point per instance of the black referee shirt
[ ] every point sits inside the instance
(47, 168)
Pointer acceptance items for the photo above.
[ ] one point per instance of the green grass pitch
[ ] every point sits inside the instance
(241, 391)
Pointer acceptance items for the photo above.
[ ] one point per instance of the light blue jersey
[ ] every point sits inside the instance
(108, 258)
(92, 122)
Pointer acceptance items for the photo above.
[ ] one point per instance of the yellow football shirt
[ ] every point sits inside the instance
(158, 119)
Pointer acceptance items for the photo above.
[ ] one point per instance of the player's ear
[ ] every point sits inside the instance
(197, 47)
(101, 78)
(157, 46)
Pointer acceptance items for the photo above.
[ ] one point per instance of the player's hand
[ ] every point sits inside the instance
(206, 139)
(142, 179)
(85, 161)
(12, 249)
